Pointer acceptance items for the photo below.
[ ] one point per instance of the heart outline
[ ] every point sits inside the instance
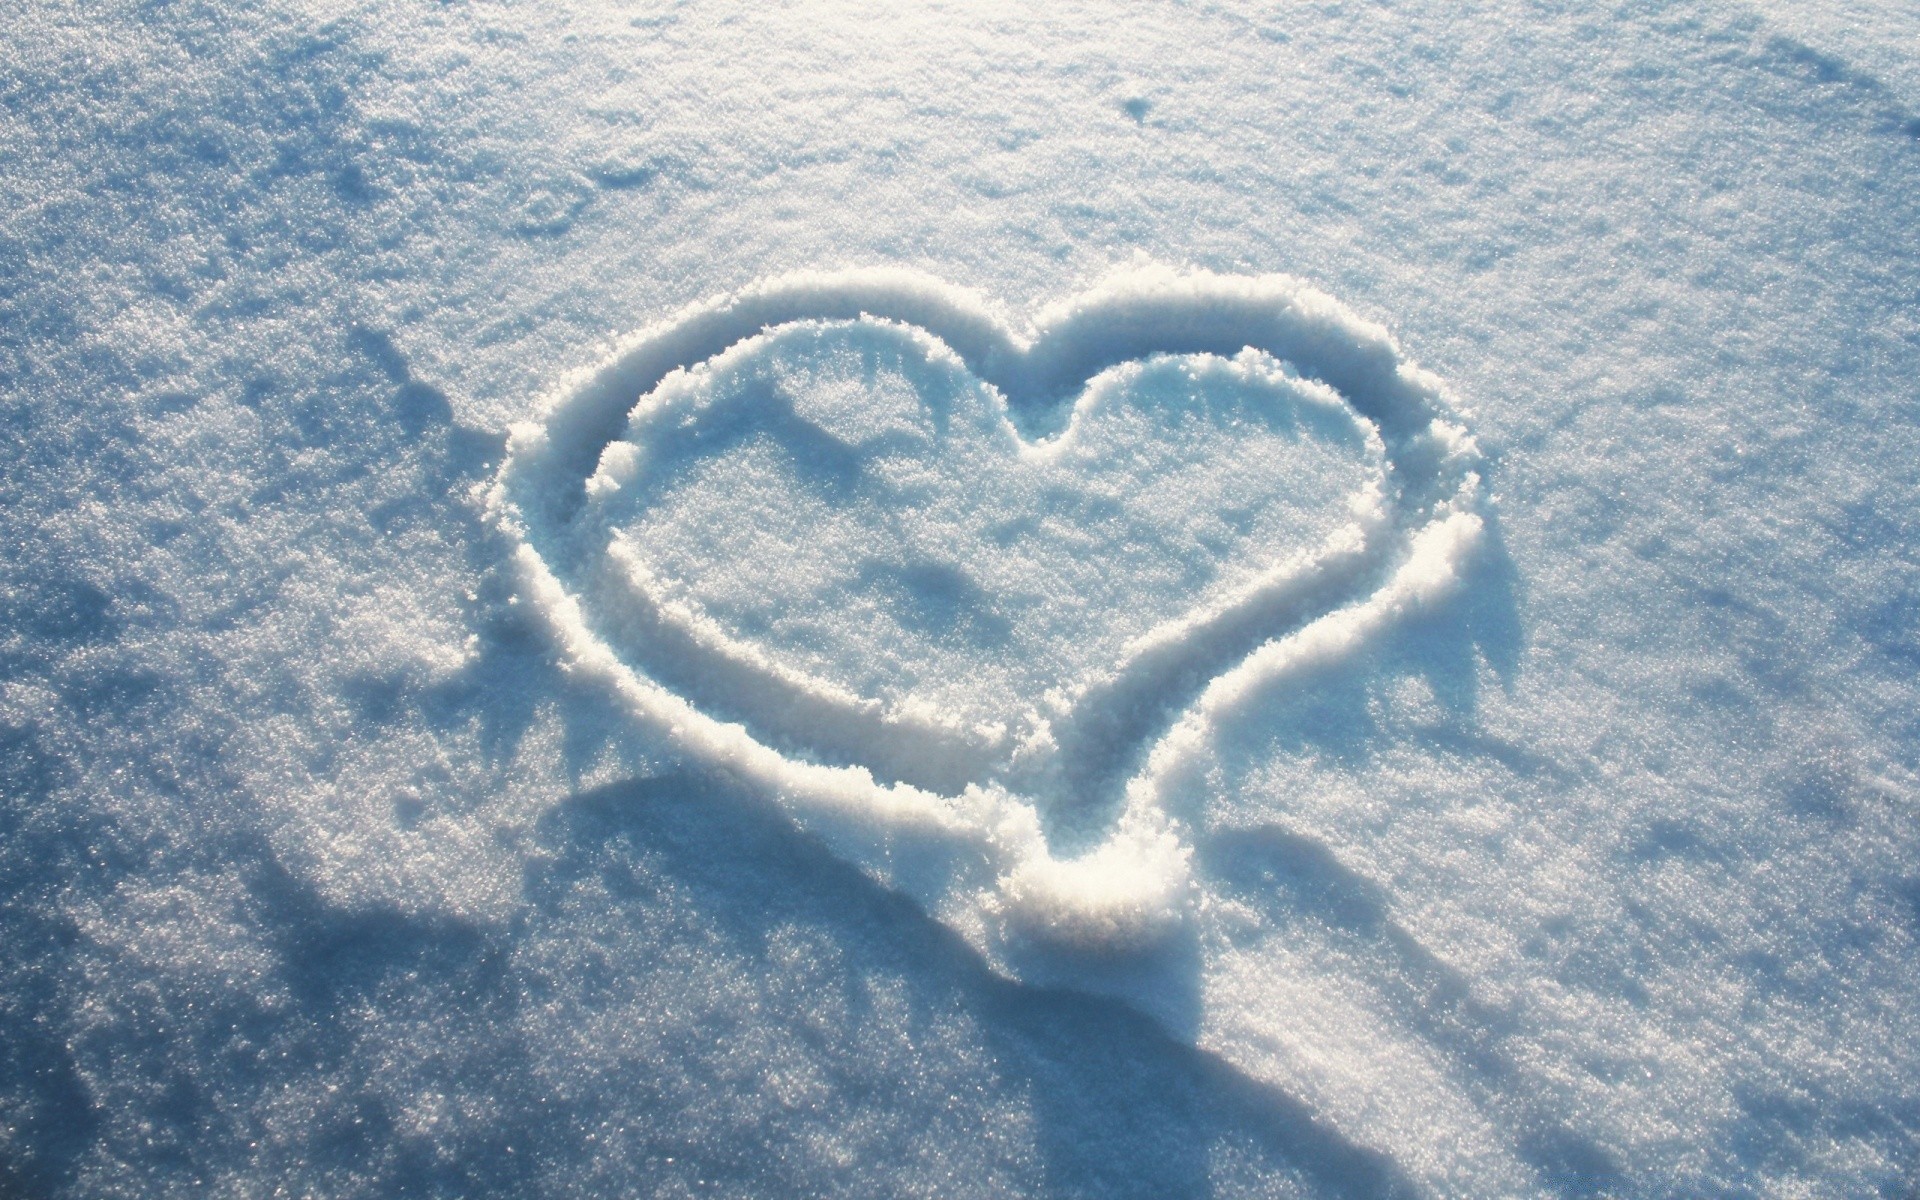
(983, 861)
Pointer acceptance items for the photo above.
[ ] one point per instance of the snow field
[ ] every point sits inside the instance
(1593, 874)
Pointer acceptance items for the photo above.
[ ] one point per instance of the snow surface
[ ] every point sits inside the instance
(1507, 788)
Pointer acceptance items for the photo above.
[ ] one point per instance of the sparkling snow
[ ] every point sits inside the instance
(1015, 741)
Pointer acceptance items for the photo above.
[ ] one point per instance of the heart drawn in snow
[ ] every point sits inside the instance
(963, 599)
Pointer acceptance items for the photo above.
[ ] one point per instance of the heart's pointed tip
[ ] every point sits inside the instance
(1127, 896)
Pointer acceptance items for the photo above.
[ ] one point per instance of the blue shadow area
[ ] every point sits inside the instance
(1120, 1109)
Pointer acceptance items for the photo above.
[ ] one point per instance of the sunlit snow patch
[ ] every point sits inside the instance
(965, 599)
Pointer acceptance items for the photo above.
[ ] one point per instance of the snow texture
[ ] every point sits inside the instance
(1072, 600)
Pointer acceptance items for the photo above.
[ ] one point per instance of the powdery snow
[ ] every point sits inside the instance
(871, 600)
